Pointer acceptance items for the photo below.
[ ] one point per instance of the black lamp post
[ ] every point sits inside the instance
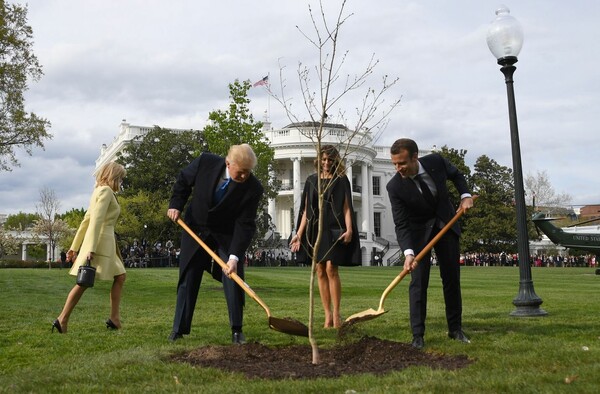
(505, 39)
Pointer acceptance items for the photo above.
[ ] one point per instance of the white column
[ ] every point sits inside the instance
(366, 202)
(297, 188)
(371, 199)
(272, 211)
(349, 171)
(272, 204)
(23, 251)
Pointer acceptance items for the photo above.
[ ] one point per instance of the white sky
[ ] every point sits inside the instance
(168, 63)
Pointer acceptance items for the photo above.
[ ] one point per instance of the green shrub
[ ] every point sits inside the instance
(13, 263)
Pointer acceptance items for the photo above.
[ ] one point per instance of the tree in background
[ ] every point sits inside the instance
(9, 245)
(49, 224)
(152, 162)
(457, 158)
(236, 126)
(492, 227)
(20, 221)
(18, 65)
(540, 193)
(144, 218)
(73, 219)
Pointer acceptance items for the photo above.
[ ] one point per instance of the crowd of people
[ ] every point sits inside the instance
(536, 260)
(143, 255)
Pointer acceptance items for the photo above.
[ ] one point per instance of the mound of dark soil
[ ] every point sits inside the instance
(368, 355)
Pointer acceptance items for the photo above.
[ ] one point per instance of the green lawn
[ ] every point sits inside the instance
(518, 355)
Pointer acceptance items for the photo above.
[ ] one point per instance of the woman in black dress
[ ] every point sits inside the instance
(339, 242)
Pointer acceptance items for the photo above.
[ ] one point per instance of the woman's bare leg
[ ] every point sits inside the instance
(115, 299)
(324, 292)
(72, 300)
(335, 291)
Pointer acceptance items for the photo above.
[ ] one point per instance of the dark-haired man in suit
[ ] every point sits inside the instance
(420, 208)
(225, 198)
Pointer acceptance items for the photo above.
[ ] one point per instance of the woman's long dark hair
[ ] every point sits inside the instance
(338, 167)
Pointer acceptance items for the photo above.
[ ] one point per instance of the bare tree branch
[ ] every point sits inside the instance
(323, 102)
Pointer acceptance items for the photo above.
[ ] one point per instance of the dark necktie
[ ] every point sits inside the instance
(426, 191)
(220, 192)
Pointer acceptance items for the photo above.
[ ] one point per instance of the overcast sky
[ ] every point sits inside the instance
(168, 63)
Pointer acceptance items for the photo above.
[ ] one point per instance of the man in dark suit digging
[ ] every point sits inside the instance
(420, 208)
(222, 211)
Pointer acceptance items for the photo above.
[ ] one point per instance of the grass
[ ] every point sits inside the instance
(511, 354)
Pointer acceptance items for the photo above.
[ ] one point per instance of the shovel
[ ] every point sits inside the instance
(286, 325)
(372, 313)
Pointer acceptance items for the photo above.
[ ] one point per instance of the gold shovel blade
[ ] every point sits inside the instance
(369, 314)
(288, 326)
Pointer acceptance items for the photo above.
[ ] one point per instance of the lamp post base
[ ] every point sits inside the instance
(527, 302)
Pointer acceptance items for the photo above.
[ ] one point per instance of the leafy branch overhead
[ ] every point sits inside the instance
(18, 65)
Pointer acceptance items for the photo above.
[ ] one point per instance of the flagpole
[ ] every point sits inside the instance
(269, 95)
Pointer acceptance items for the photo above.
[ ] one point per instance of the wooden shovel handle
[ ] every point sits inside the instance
(422, 254)
(234, 276)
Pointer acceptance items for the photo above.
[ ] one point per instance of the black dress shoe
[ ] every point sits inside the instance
(175, 336)
(418, 342)
(111, 325)
(56, 324)
(238, 338)
(459, 335)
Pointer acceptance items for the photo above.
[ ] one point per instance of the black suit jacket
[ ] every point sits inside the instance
(414, 219)
(231, 222)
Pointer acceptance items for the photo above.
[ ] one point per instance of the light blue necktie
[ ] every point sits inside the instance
(220, 192)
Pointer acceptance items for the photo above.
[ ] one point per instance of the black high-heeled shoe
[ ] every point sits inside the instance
(56, 324)
(110, 325)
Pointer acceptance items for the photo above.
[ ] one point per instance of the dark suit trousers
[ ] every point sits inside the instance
(190, 278)
(448, 255)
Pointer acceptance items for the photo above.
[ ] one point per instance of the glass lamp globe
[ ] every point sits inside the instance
(505, 35)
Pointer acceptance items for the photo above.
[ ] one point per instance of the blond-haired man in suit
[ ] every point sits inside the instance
(225, 222)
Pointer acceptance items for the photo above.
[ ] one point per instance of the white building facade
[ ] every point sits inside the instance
(368, 167)
(127, 132)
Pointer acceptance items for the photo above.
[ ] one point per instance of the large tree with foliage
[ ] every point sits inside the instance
(235, 126)
(73, 219)
(492, 227)
(20, 221)
(144, 218)
(457, 158)
(18, 65)
(153, 161)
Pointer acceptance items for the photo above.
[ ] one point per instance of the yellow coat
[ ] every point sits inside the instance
(97, 234)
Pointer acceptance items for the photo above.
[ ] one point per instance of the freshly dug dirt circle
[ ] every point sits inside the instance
(368, 355)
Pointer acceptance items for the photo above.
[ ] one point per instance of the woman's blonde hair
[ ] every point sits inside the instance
(110, 174)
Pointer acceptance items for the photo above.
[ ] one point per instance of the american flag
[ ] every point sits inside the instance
(263, 81)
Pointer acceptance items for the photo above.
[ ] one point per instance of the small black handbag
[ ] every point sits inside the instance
(86, 275)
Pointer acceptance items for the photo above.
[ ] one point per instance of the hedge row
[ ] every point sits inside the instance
(5, 263)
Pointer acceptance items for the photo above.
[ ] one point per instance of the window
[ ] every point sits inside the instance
(377, 223)
(376, 186)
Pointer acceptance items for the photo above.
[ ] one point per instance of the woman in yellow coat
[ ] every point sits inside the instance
(95, 240)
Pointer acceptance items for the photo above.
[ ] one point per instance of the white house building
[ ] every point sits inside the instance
(127, 132)
(368, 166)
